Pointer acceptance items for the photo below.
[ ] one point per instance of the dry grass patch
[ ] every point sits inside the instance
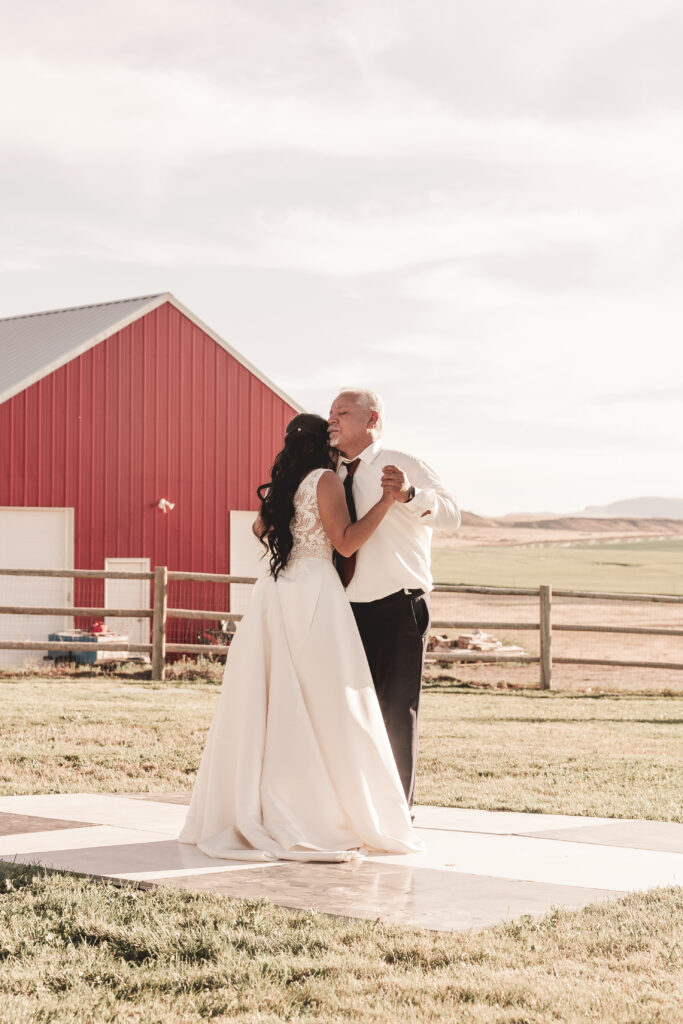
(102, 735)
(616, 756)
(646, 567)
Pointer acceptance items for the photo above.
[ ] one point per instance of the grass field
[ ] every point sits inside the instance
(77, 951)
(74, 950)
(648, 567)
(609, 756)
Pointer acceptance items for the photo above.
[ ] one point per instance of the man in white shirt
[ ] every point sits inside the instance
(389, 584)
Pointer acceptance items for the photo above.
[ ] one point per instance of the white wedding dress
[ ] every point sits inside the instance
(297, 765)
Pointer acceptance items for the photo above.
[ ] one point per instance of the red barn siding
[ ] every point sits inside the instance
(158, 409)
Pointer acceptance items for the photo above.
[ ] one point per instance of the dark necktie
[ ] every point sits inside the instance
(346, 566)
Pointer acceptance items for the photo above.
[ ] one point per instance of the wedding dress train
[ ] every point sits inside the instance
(297, 764)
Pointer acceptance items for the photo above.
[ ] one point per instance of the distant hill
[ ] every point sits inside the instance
(470, 519)
(544, 529)
(640, 508)
(581, 522)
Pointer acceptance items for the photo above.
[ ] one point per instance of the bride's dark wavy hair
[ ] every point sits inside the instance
(306, 448)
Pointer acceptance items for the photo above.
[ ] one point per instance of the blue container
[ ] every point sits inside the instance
(78, 636)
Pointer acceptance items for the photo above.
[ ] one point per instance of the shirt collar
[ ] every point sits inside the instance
(369, 454)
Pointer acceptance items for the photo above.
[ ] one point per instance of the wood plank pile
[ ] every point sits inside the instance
(477, 640)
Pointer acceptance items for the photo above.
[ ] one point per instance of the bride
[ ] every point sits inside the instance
(297, 764)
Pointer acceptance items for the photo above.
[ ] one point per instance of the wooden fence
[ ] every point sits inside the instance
(160, 613)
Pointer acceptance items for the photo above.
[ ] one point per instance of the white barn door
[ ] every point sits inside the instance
(128, 594)
(34, 538)
(246, 558)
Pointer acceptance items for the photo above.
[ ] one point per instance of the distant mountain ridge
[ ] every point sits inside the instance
(578, 523)
(547, 529)
(640, 508)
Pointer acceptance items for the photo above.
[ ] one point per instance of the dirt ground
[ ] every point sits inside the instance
(522, 530)
(479, 609)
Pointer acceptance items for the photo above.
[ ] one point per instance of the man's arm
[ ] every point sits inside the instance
(432, 502)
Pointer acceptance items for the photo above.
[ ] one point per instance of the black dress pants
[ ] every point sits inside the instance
(394, 632)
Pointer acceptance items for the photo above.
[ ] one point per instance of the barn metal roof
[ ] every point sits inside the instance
(36, 344)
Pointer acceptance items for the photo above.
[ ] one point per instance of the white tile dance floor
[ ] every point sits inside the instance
(479, 868)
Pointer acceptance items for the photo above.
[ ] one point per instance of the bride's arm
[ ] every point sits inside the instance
(346, 536)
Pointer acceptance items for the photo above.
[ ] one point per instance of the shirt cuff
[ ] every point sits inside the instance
(422, 503)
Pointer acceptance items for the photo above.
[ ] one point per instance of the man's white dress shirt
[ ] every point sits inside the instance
(398, 554)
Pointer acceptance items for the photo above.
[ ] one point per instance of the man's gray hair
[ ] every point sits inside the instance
(368, 400)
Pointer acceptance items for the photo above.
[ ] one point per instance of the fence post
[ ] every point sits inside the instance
(546, 658)
(159, 622)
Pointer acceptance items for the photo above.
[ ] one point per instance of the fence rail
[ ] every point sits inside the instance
(85, 574)
(64, 645)
(83, 613)
(160, 613)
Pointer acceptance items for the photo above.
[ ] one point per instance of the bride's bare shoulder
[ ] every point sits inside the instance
(329, 481)
(329, 485)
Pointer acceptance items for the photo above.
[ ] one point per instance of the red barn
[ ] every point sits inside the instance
(109, 411)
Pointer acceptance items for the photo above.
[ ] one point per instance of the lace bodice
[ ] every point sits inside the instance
(310, 539)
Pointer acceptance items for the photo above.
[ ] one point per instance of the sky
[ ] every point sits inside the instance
(474, 208)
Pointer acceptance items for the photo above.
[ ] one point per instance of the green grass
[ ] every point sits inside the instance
(74, 950)
(94, 953)
(552, 753)
(648, 567)
(616, 756)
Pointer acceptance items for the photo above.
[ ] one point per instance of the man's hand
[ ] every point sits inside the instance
(396, 482)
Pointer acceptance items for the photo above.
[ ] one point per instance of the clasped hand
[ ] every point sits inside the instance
(395, 484)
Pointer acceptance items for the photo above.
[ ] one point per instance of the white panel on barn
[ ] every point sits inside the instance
(246, 558)
(34, 538)
(128, 594)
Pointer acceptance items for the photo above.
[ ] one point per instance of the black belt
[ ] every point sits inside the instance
(392, 597)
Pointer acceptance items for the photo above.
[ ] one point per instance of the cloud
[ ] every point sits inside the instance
(615, 59)
(672, 395)
(473, 208)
